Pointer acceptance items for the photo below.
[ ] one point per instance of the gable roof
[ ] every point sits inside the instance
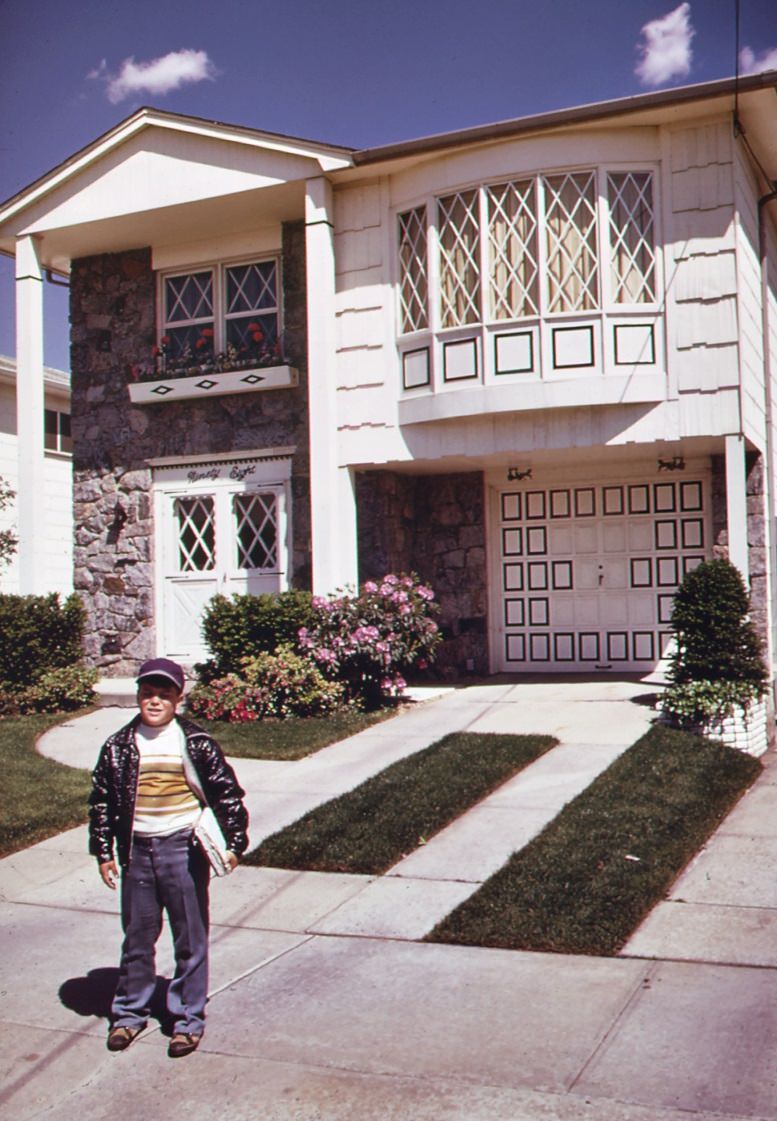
(329, 156)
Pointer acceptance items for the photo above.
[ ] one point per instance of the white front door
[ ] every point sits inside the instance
(587, 573)
(215, 536)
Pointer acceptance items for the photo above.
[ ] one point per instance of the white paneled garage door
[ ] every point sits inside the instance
(587, 573)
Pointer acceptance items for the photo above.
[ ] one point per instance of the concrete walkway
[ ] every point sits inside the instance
(325, 1006)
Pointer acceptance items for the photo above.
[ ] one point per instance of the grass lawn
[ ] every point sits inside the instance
(39, 797)
(290, 739)
(387, 817)
(584, 884)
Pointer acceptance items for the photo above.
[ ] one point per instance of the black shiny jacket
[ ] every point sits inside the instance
(115, 784)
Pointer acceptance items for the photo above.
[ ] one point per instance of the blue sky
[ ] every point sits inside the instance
(343, 71)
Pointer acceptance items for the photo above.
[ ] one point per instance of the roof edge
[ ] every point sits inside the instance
(565, 117)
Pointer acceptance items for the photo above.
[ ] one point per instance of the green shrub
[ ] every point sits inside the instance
(247, 624)
(717, 664)
(716, 641)
(60, 690)
(705, 704)
(275, 685)
(38, 634)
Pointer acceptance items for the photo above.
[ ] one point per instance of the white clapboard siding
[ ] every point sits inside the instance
(749, 293)
(365, 365)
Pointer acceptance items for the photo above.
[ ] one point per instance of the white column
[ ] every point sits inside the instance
(736, 504)
(29, 417)
(333, 509)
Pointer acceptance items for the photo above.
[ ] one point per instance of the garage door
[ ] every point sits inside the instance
(588, 573)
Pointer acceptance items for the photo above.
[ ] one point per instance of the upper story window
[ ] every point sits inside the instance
(227, 314)
(56, 431)
(414, 282)
(546, 274)
(632, 237)
(544, 245)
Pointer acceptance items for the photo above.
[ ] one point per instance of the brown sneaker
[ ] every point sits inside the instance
(120, 1038)
(183, 1044)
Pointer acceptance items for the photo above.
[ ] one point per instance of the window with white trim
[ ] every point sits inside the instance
(232, 311)
(414, 282)
(551, 247)
(56, 431)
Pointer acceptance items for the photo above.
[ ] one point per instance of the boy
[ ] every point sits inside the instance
(152, 779)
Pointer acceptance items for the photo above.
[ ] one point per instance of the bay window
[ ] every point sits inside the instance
(529, 276)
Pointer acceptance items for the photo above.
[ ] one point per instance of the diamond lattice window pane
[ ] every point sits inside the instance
(188, 313)
(252, 310)
(570, 216)
(196, 534)
(256, 530)
(189, 298)
(246, 333)
(252, 287)
(512, 250)
(459, 237)
(632, 238)
(413, 274)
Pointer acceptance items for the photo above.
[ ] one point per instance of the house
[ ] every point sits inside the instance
(54, 500)
(532, 361)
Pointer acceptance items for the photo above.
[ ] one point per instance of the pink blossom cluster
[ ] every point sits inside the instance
(369, 641)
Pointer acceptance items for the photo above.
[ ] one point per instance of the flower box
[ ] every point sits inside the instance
(213, 385)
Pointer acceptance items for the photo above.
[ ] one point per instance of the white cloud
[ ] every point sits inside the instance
(665, 48)
(159, 76)
(751, 63)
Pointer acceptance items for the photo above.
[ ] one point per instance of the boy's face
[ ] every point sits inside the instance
(157, 700)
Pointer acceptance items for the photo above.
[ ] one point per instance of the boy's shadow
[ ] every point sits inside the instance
(92, 996)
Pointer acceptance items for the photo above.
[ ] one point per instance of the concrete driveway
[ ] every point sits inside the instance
(325, 1006)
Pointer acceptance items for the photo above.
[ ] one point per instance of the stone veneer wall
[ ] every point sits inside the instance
(433, 525)
(112, 312)
(757, 552)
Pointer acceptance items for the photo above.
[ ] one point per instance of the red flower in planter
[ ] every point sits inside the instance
(207, 332)
(165, 340)
(201, 343)
(257, 335)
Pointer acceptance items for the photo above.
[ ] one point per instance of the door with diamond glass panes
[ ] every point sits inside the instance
(216, 538)
(587, 573)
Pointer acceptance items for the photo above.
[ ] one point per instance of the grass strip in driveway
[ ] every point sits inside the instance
(583, 885)
(370, 828)
(39, 797)
(293, 738)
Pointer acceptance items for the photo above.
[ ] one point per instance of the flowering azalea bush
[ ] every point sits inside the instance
(257, 350)
(370, 640)
(277, 685)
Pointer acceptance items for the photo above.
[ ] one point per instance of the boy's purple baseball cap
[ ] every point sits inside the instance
(162, 667)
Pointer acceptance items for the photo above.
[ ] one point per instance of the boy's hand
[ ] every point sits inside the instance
(109, 873)
(232, 860)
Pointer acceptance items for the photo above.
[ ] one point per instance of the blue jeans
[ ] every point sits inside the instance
(165, 873)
